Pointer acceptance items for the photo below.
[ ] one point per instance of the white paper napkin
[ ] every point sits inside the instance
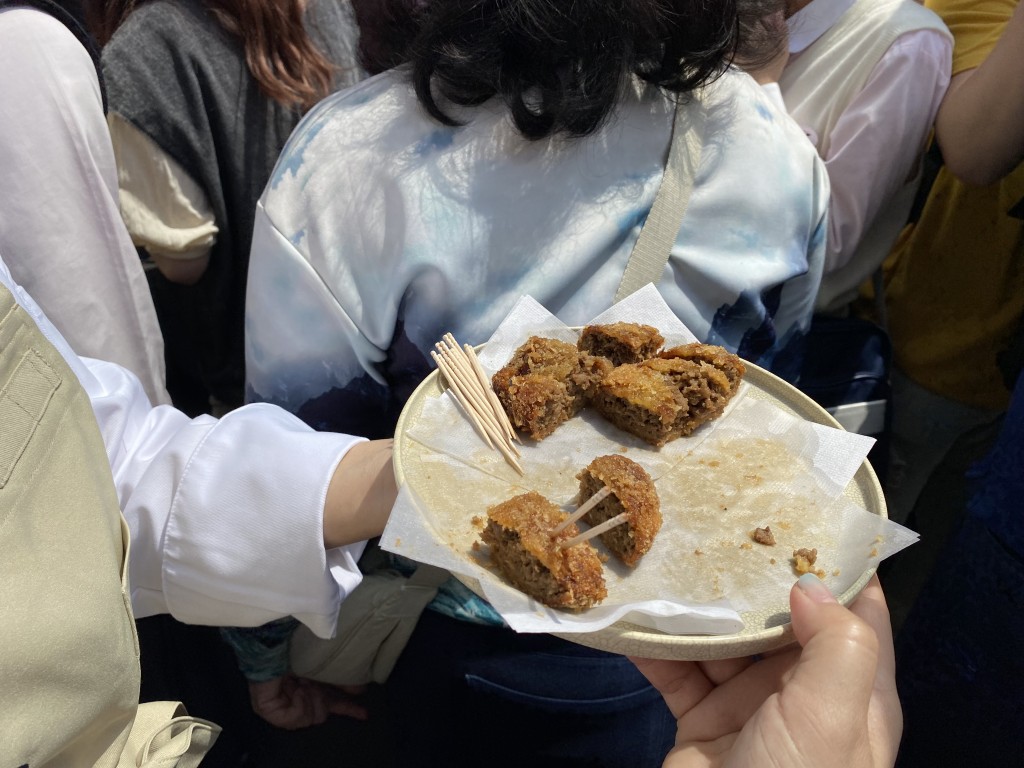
(756, 465)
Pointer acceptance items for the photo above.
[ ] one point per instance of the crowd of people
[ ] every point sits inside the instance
(233, 230)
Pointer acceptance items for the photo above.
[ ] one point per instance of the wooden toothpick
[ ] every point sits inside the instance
(585, 507)
(597, 530)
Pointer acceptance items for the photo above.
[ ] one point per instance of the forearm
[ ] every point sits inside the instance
(227, 517)
(360, 495)
(980, 126)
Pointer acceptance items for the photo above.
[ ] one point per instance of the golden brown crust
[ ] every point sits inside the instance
(545, 383)
(641, 401)
(728, 363)
(706, 389)
(668, 396)
(621, 342)
(518, 533)
(536, 386)
(634, 494)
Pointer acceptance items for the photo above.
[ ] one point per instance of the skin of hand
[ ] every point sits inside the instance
(291, 702)
(980, 125)
(829, 702)
(361, 494)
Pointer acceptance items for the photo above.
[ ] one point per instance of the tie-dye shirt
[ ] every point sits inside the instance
(382, 229)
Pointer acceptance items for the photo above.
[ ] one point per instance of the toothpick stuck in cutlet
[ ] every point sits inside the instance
(585, 507)
(597, 530)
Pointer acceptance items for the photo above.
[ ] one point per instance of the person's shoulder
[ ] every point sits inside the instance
(380, 107)
(355, 132)
(899, 16)
(167, 23)
(748, 129)
(388, 91)
(23, 23)
(738, 100)
(26, 22)
(912, 15)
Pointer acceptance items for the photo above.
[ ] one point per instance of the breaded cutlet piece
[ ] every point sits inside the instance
(545, 383)
(663, 398)
(643, 401)
(518, 533)
(707, 389)
(621, 342)
(728, 363)
(632, 493)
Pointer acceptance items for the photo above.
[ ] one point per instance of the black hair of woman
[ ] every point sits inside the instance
(559, 66)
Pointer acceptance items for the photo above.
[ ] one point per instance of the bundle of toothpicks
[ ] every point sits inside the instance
(468, 383)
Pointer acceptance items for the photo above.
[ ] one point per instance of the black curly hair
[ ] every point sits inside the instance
(559, 65)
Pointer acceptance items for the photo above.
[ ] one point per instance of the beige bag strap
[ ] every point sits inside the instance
(659, 233)
(163, 736)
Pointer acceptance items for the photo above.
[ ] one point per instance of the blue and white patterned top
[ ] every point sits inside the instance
(381, 230)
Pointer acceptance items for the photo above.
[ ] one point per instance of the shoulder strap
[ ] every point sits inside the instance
(660, 230)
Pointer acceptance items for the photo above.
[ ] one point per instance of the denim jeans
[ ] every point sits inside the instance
(466, 694)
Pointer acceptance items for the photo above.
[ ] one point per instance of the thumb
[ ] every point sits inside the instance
(840, 652)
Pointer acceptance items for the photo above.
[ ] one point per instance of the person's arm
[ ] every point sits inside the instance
(980, 126)
(360, 495)
(236, 521)
(875, 146)
(167, 213)
(60, 227)
(830, 702)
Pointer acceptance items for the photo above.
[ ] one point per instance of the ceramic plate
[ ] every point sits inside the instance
(764, 629)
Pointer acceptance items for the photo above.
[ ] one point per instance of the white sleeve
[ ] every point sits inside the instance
(226, 515)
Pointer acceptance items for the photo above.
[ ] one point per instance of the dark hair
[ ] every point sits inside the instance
(386, 30)
(289, 68)
(559, 65)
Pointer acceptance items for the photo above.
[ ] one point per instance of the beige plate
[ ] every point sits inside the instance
(763, 630)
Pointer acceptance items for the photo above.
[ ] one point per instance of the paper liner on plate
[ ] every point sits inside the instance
(756, 465)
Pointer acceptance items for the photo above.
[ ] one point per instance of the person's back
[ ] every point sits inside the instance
(864, 80)
(395, 216)
(382, 229)
(197, 127)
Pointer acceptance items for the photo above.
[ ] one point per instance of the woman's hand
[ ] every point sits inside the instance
(292, 702)
(831, 701)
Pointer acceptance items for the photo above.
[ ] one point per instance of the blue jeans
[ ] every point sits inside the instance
(466, 694)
